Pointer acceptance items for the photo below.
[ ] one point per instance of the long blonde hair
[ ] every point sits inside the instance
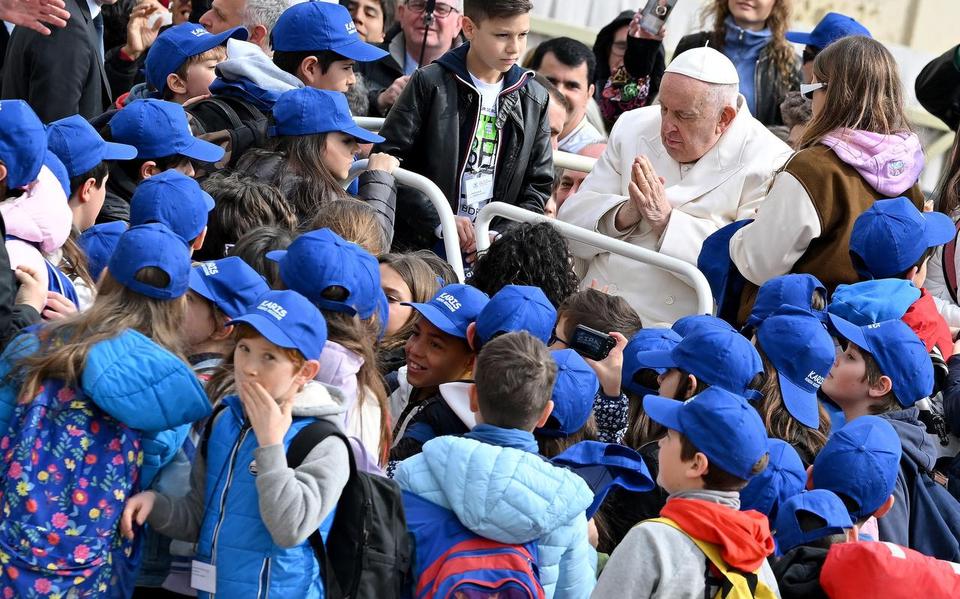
(863, 90)
(65, 344)
(781, 52)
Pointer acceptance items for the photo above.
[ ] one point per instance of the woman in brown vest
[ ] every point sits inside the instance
(857, 148)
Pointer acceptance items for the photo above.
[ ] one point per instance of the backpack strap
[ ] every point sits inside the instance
(743, 581)
(949, 264)
(300, 447)
(208, 429)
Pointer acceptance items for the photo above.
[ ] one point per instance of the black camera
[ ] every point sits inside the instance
(590, 343)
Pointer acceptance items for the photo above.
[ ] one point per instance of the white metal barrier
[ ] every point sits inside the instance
(448, 225)
(615, 246)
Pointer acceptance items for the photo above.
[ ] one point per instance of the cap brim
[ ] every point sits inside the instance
(360, 51)
(437, 319)
(199, 286)
(115, 151)
(938, 228)
(663, 410)
(849, 331)
(267, 328)
(276, 255)
(363, 135)
(208, 200)
(802, 404)
(203, 151)
(798, 37)
(656, 359)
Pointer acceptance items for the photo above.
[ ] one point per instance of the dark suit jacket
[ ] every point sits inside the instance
(61, 74)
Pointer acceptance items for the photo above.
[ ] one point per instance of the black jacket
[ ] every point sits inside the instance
(938, 88)
(61, 74)
(771, 89)
(431, 129)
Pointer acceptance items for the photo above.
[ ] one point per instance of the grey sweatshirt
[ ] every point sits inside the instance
(293, 503)
(656, 560)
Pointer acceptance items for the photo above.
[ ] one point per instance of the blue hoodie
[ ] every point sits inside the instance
(743, 48)
(511, 495)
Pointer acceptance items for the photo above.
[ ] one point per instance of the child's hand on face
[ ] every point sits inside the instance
(608, 369)
(137, 509)
(269, 420)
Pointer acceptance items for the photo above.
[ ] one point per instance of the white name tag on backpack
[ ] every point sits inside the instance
(203, 577)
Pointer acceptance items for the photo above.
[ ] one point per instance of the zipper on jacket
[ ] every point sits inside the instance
(223, 494)
(263, 582)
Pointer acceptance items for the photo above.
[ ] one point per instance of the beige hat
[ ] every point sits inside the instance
(705, 64)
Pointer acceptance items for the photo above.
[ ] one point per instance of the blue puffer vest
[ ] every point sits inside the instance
(233, 536)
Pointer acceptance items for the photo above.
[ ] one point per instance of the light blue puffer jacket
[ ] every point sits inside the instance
(511, 496)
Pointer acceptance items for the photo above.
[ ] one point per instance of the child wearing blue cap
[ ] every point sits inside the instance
(175, 200)
(259, 517)
(715, 443)
(311, 147)
(160, 133)
(784, 477)
(514, 308)
(431, 398)
(182, 61)
(100, 402)
(525, 498)
(807, 526)
(893, 240)
(343, 281)
(405, 279)
(797, 354)
(22, 145)
(502, 150)
(571, 419)
(800, 290)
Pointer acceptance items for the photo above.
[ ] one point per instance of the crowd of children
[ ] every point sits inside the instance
(224, 375)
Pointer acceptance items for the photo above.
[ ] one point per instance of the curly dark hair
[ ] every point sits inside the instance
(528, 254)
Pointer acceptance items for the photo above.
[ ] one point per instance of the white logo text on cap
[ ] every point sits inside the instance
(200, 32)
(209, 268)
(814, 379)
(452, 303)
(351, 28)
(273, 309)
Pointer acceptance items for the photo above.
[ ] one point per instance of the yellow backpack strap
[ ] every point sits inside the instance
(740, 583)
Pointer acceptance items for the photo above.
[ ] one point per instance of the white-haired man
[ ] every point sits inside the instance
(671, 175)
(257, 16)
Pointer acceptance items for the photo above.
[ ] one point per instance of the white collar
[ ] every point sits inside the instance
(94, 7)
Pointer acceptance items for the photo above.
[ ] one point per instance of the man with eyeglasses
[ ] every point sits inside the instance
(387, 77)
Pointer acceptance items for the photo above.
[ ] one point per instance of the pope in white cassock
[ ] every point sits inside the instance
(671, 175)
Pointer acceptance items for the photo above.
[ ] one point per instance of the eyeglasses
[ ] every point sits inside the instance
(807, 89)
(553, 339)
(441, 10)
(810, 53)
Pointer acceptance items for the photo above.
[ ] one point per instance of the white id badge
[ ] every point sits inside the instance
(203, 577)
(479, 188)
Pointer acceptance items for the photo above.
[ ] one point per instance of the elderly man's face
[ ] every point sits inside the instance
(691, 120)
(223, 15)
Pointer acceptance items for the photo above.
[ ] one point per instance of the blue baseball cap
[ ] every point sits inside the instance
(80, 148)
(173, 199)
(721, 425)
(314, 26)
(573, 394)
(59, 171)
(801, 350)
(831, 27)
(687, 325)
(157, 129)
(229, 283)
(309, 111)
(175, 45)
(899, 353)
(892, 235)
(151, 245)
(287, 319)
(873, 301)
(719, 357)
(23, 142)
(453, 308)
(784, 477)
(820, 502)
(643, 341)
(517, 308)
(98, 243)
(321, 259)
(786, 290)
(860, 461)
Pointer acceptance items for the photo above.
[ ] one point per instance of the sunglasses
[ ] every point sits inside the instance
(807, 89)
(441, 10)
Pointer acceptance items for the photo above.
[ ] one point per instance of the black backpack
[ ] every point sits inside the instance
(232, 123)
(370, 548)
